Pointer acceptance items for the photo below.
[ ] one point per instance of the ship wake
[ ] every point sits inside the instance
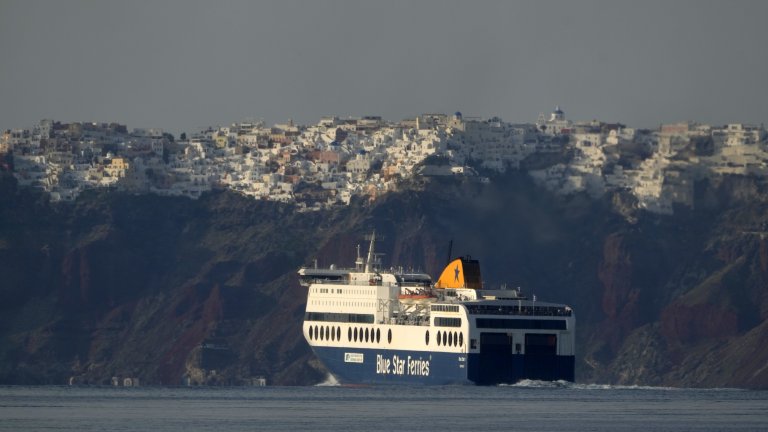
(569, 385)
(330, 381)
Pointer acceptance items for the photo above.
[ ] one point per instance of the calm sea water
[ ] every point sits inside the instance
(531, 406)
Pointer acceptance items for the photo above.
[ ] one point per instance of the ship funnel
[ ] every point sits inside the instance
(461, 273)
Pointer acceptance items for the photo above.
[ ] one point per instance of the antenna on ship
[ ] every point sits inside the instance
(369, 260)
(359, 260)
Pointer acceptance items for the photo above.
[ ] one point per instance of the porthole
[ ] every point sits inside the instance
(327, 333)
(450, 339)
(461, 339)
(321, 333)
(333, 334)
(366, 335)
(349, 334)
(378, 335)
(311, 333)
(439, 342)
(355, 334)
(338, 333)
(317, 333)
(426, 338)
(455, 339)
(445, 338)
(389, 336)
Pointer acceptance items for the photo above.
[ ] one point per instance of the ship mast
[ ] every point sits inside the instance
(359, 260)
(370, 258)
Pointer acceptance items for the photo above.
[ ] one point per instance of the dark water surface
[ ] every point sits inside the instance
(531, 406)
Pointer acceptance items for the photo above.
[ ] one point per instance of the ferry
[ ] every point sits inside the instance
(373, 326)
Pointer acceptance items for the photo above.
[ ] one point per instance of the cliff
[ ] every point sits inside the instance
(172, 290)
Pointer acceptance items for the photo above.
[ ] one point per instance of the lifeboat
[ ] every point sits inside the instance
(419, 296)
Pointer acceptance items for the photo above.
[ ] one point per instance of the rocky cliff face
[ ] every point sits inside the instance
(173, 290)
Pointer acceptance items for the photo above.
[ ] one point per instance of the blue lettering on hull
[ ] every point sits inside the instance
(378, 366)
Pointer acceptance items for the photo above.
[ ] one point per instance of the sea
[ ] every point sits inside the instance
(527, 406)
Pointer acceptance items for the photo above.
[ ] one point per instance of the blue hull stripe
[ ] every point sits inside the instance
(380, 366)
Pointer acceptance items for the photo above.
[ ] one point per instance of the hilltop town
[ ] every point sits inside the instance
(327, 164)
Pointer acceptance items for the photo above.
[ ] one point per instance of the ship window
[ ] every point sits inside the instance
(338, 333)
(439, 334)
(317, 335)
(349, 334)
(389, 336)
(447, 322)
(311, 333)
(533, 324)
(445, 308)
(366, 335)
(339, 317)
(426, 337)
(445, 338)
(450, 338)
(355, 334)
(321, 334)
(378, 335)
(461, 339)
(333, 335)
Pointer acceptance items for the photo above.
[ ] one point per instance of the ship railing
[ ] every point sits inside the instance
(346, 282)
(558, 311)
(417, 320)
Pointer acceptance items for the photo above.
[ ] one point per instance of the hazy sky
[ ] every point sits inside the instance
(182, 65)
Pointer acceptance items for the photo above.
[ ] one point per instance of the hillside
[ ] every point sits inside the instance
(172, 289)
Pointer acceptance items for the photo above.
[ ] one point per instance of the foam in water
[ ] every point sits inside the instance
(330, 381)
(569, 385)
